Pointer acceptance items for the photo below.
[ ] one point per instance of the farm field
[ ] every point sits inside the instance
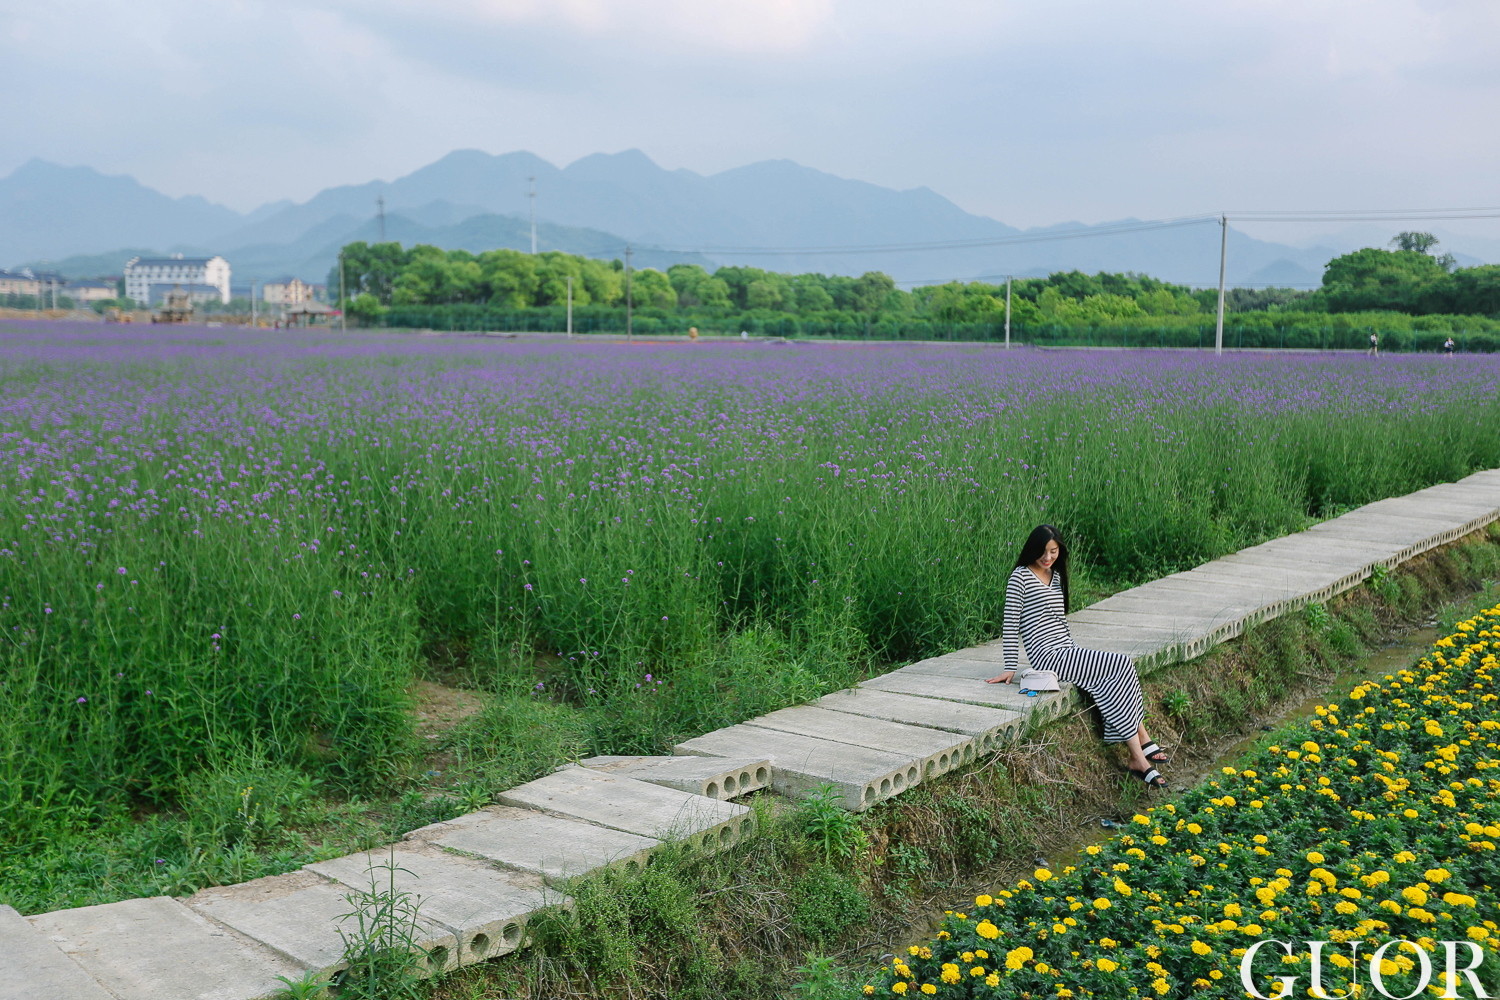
(225, 557)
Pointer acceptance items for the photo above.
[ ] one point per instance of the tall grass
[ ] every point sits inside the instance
(215, 549)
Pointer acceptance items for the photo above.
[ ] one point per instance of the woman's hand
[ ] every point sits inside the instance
(1003, 678)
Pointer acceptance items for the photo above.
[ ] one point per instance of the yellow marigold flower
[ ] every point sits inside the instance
(1215, 974)
(1199, 948)
(983, 900)
(1251, 929)
(1159, 840)
(899, 989)
(1043, 968)
(929, 989)
(967, 956)
(977, 971)
(1390, 905)
(993, 979)
(1436, 874)
(1419, 914)
(950, 973)
(1106, 965)
(1017, 957)
(1122, 888)
(1315, 857)
(1121, 866)
(1261, 838)
(1194, 829)
(1414, 896)
(1092, 849)
(1233, 910)
(1101, 903)
(1349, 892)
(869, 990)
(1059, 928)
(1229, 771)
(1458, 899)
(1345, 907)
(1142, 820)
(913, 951)
(987, 930)
(981, 953)
(1478, 933)
(1311, 747)
(1200, 983)
(1160, 986)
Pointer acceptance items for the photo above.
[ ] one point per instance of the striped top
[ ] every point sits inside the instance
(1033, 615)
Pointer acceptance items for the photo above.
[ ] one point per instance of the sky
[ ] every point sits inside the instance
(1030, 112)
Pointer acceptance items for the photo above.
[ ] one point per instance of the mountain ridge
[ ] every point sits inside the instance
(729, 217)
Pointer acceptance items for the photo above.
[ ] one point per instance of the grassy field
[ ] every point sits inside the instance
(226, 556)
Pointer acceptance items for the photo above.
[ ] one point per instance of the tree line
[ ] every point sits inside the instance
(383, 276)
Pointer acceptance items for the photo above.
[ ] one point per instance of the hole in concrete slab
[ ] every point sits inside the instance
(931, 769)
(511, 934)
(708, 840)
(885, 786)
(911, 775)
(943, 761)
(437, 958)
(730, 784)
(479, 944)
(632, 867)
(744, 778)
(900, 781)
(744, 828)
(725, 836)
(760, 775)
(712, 791)
(869, 793)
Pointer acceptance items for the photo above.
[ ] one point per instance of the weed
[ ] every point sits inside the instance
(828, 825)
(1177, 703)
(309, 986)
(821, 979)
(828, 903)
(380, 933)
(1318, 617)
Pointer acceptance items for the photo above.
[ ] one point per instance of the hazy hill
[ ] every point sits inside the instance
(600, 202)
(47, 211)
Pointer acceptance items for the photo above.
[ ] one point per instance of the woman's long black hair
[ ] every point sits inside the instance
(1036, 544)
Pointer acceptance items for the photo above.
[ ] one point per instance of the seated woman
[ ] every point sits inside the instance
(1036, 599)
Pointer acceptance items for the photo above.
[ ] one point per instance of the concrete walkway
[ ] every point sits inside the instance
(479, 878)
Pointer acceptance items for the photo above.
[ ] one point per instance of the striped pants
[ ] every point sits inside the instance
(1109, 678)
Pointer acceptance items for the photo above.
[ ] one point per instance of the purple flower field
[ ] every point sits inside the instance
(214, 538)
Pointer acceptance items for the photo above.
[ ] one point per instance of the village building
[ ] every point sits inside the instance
(147, 279)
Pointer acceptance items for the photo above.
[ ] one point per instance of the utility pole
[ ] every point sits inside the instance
(380, 207)
(533, 215)
(629, 331)
(1223, 253)
(1007, 312)
(570, 305)
(343, 301)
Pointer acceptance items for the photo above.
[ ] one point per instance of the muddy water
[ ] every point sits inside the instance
(1067, 851)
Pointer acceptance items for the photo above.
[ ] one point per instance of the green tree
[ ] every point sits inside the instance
(1420, 242)
(651, 289)
(1399, 280)
(870, 291)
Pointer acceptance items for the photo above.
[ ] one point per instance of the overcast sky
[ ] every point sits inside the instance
(1032, 113)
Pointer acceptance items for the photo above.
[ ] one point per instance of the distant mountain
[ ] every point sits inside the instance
(47, 211)
(768, 214)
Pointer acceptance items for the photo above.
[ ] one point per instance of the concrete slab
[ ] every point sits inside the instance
(147, 949)
(957, 665)
(535, 842)
(297, 915)
(940, 751)
(711, 776)
(624, 803)
(484, 908)
(1037, 710)
(799, 764)
(991, 728)
(34, 967)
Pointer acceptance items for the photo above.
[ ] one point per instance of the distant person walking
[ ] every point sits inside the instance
(1036, 601)
(1374, 345)
(1448, 346)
